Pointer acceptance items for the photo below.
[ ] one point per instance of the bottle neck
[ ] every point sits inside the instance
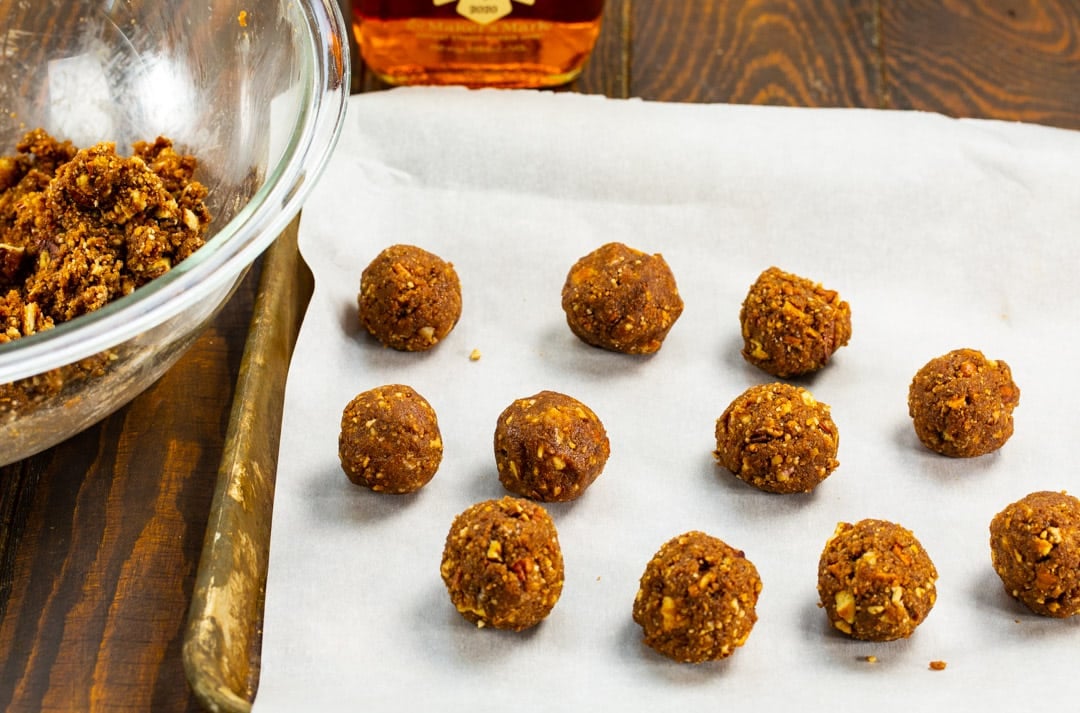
(569, 11)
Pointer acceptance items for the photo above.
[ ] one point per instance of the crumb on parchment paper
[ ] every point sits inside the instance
(937, 665)
(474, 355)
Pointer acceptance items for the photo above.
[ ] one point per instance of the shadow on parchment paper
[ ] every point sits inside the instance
(748, 500)
(662, 669)
(483, 484)
(844, 651)
(333, 498)
(558, 347)
(942, 469)
(450, 640)
(349, 319)
(1012, 618)
(990, 596)
(731, 359)
(374, 351)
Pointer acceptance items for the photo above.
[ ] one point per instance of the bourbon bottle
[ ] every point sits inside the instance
(502, 43)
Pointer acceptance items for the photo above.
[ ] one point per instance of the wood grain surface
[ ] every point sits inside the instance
(100, 536)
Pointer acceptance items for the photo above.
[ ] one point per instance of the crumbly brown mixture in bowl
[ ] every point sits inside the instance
(81, 228)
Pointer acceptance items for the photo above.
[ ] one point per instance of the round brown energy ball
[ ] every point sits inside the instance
(390, 440)
(697, 599)
(962, 404)
(875, 580)
(1035, 549)
(791, 325)
(409, 298)
(621, 299)
(502, 564)
(778, 438)
(549, 447)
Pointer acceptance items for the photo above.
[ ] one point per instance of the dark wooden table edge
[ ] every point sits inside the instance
(222, 639)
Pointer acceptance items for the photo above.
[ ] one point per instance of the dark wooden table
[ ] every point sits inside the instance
(100, 536)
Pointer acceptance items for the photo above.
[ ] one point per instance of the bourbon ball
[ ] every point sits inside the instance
(390, 440)
(697, 599)
(962, 403)
(1035, 549)
(549, 447)
(502, 564)
(409, 298)
(791, 325)
(875, 580)
(621, 299)
(778, 438)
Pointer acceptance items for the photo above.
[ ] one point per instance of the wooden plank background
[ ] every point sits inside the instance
(100, 536)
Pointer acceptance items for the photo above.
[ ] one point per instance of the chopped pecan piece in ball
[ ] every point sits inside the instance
(1035, 549)
(502, 564)
(390, 440)
(697, 599)
(410, 299)
(778, 438)
(621, 299)
(791, 325)
(961, 404)
(875, 580)
(549, 447)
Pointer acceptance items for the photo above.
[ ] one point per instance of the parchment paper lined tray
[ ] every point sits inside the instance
(940, 234)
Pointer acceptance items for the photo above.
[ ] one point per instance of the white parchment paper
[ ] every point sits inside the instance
(940, 233)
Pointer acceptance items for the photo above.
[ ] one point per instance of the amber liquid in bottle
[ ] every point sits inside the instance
(501, 43)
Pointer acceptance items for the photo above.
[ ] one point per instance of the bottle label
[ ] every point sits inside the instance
(484, 12)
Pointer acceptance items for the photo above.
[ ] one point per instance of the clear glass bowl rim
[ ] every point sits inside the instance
(240, 241)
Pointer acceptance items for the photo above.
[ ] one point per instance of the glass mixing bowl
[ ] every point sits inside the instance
(254, 89)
